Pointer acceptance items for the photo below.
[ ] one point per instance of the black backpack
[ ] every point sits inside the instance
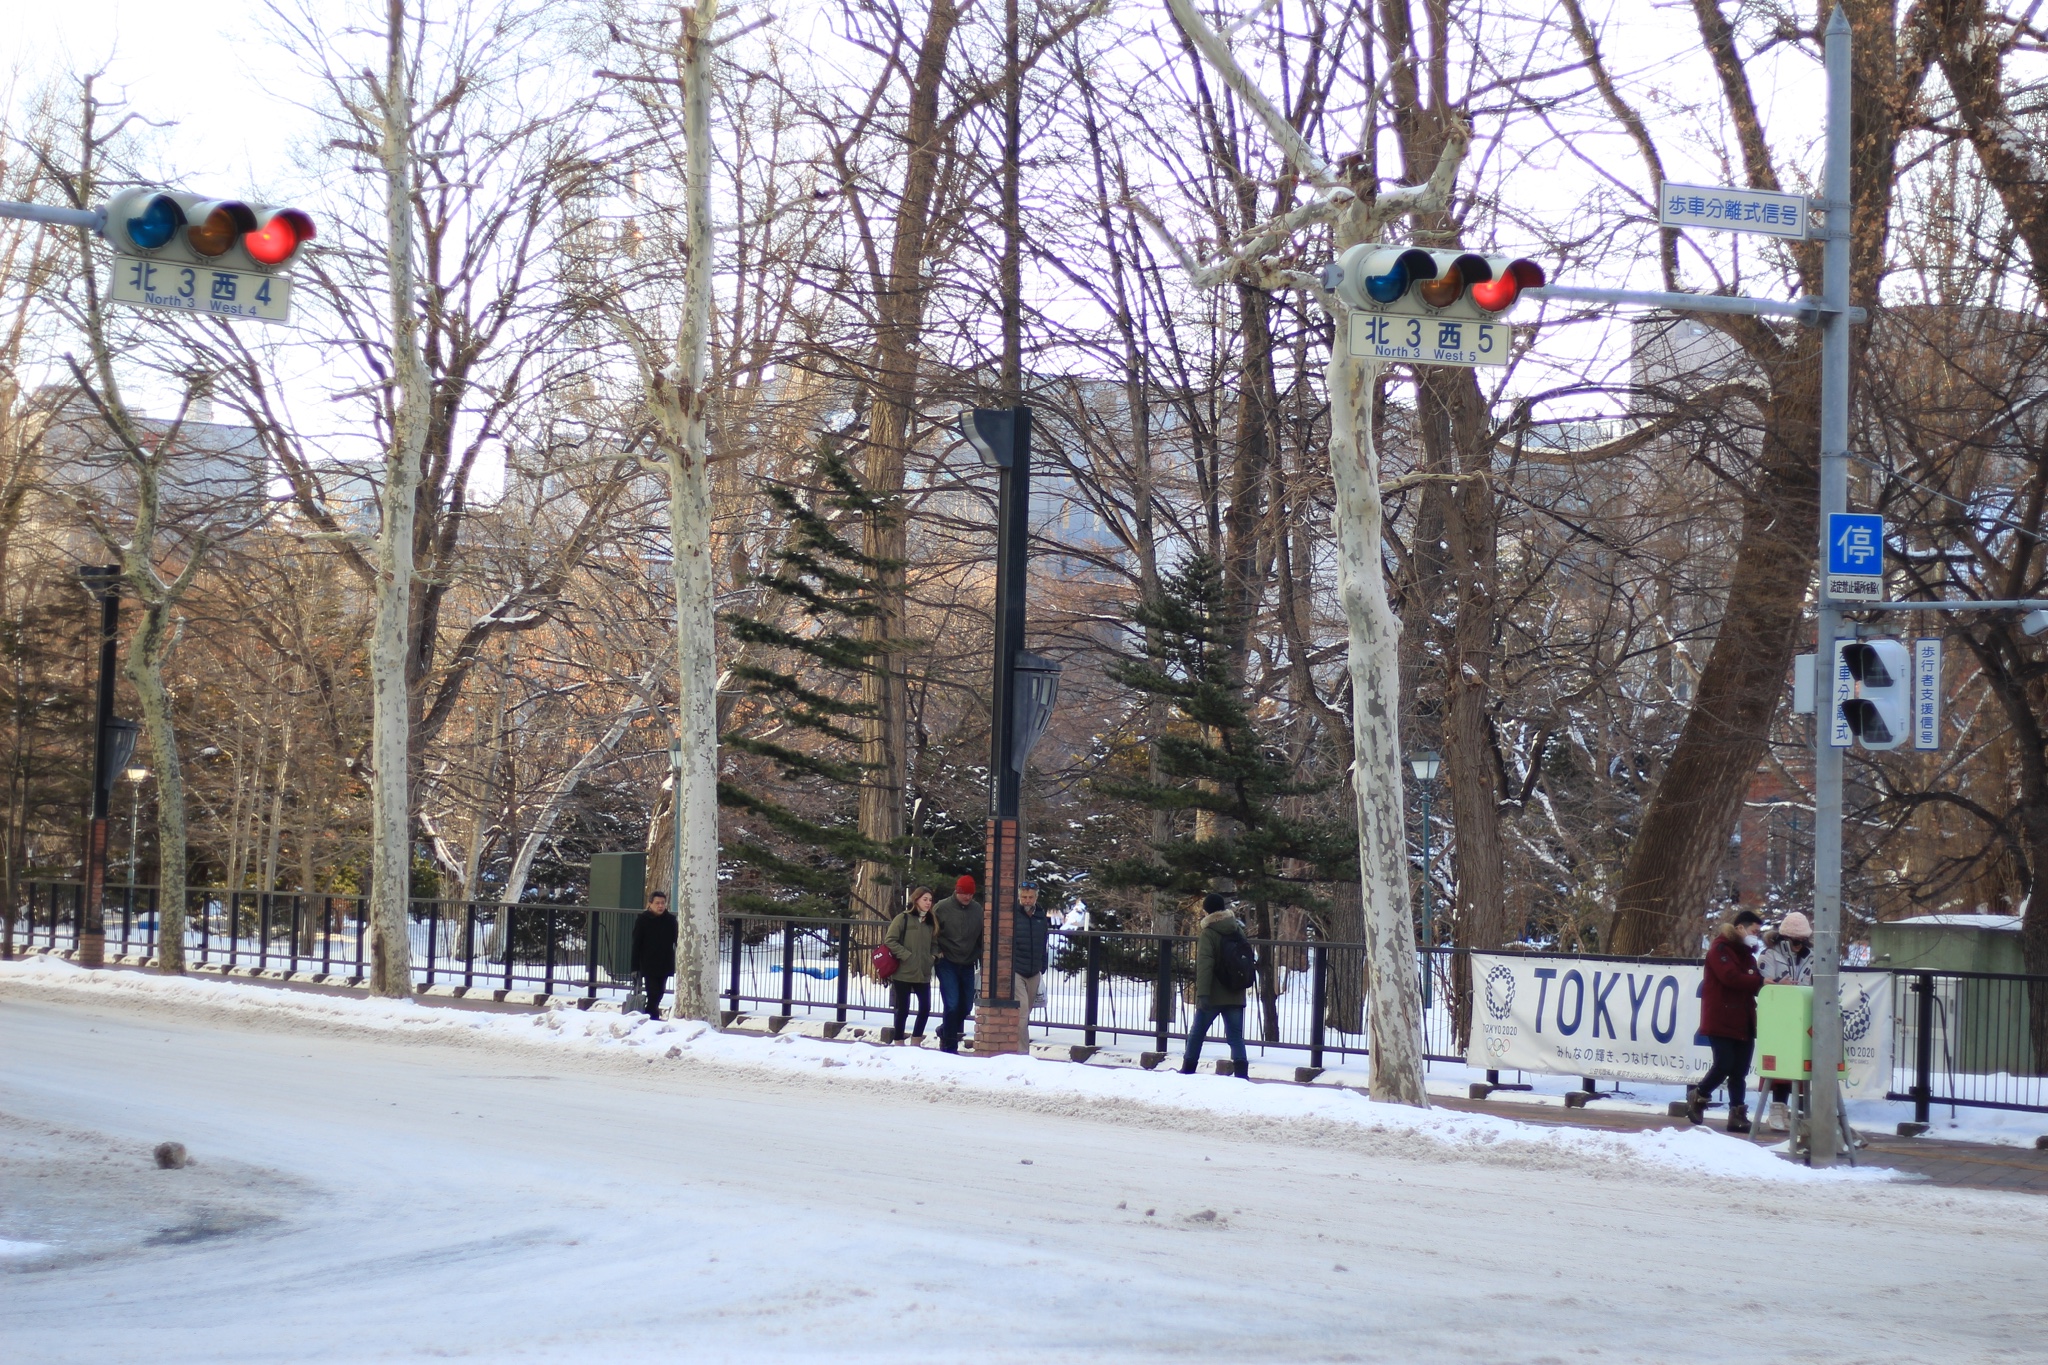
(1237, 965)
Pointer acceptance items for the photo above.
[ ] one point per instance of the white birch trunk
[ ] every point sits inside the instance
(1393, 995)
(695, 899)
(391, 722)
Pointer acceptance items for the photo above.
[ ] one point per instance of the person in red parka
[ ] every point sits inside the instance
(1728, 991)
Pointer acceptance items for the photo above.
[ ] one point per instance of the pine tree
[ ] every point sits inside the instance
(802, 664)
(1214, 760)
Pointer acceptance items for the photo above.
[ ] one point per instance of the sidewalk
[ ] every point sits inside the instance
(1942, 1162)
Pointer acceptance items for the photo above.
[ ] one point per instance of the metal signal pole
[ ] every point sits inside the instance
(1824, 1127)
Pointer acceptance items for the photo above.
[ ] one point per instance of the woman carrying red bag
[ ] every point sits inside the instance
(909, 939)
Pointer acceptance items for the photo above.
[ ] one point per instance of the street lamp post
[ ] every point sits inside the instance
(103, 582)
(136, 777)
(1025, 688)
(1425, 766)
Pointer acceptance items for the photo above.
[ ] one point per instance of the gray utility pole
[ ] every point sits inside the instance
(1824, 1126)
(1832, 313)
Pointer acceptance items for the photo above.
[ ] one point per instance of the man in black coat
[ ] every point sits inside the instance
(654, 950)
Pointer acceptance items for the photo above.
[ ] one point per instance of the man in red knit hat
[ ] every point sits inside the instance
(958, 948)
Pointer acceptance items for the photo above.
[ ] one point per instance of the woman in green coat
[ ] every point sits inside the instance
(910, 937)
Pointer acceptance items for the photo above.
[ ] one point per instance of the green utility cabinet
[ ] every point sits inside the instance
(618, 887)
(1784, 1033)
(1980, 1023)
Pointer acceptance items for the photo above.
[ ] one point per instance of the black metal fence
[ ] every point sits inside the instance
(1964, 1039)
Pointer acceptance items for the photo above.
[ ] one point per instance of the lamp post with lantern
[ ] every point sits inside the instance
(1425, 766)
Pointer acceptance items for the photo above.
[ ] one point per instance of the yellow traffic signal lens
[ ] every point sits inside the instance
(1443, 291)
(214, 234)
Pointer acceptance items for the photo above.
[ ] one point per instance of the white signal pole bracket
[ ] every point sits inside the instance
(95, 219)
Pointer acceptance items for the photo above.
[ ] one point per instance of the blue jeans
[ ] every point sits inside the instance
(1233, 1029)
(956, 993)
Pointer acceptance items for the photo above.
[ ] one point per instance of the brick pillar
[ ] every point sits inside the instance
(998, 1024)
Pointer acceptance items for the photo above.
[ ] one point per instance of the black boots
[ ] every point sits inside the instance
(1738, 1118)
(1695, 1105)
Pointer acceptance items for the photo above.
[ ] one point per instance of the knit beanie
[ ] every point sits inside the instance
(964, 887)
(1213, 903)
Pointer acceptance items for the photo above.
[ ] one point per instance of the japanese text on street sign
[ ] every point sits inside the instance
(200, 289)
(1731, 210)
(1926, 693)
(1855, 567)
(1428, 341)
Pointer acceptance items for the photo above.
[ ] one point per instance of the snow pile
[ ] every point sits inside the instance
(10, 1250)
(1694, 1151)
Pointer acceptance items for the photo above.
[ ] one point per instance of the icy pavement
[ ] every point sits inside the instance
(376, 1181)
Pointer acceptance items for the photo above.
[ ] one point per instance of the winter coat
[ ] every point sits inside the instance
(654, 943)
(1031, 947)
(910, 937)
(1215, 928)
(959, 939)
(1728, 989)
(1781, 968)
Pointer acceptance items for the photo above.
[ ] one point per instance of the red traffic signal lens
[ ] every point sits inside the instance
(277, 236)
(1497, 296)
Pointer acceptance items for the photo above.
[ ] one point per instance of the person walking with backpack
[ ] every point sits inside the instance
(1728, 991)
(654, 950)
(1225, 965)
(958, 943)
(910, 938)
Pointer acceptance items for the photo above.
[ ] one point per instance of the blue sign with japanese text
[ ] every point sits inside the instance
(1855, 543)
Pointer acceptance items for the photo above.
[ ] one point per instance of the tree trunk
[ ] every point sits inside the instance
(1684, 836)
(391, 696)
(900, 301)
(1393, 991)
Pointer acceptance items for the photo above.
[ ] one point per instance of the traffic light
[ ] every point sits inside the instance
(1873, 693)
(1452, 283)
(188, 229)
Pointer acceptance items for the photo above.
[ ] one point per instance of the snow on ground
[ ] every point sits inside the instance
(1695, 1151)
(379, 1181)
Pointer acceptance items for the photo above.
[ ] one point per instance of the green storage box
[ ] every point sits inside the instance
(618, 884)
(1784, 1032)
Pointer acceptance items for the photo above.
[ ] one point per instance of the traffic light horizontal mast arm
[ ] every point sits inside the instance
(96, 219)
(1952, 604)
(1807, 311)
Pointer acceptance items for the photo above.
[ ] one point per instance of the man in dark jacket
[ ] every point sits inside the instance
(1728, 990)
(959, 953)
(1031, 950)
(654, 950)
(1213, 999)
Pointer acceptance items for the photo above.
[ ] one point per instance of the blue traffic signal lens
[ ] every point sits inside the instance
(1408, 267)
(159, 219)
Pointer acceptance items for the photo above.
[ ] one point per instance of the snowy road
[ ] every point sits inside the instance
(360, 1197)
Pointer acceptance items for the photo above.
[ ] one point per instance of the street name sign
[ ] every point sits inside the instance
(200, 289)
(1427, 340)
(1724, 209)
(1855, 567)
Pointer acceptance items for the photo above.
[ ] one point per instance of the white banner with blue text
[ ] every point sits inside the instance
(1638, 1021)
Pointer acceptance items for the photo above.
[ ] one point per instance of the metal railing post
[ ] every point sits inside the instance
(1164, 995)
(433, 939)
(298, 926)
(548, 978)
(326, 936)
(262, 931)
(1923, 1048)
(1093, 1010)
(1318, 986)
(788, 967)
(469, 947)
(362, 923)
(738, 945)
(590, 955)
(511, 913)
(234, 928)
(845, 967)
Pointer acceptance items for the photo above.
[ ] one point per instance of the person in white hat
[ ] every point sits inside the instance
(1787, 961)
